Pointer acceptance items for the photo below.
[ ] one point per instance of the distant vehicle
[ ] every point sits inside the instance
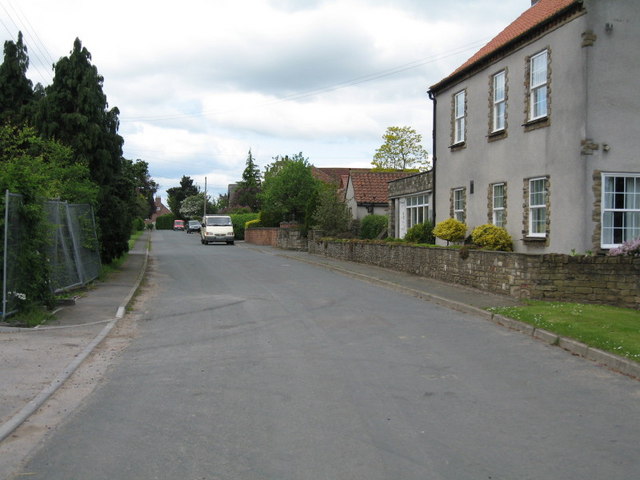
(193, 226)
(178, 224)
(217, 228)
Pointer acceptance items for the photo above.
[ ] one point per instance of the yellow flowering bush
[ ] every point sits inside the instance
(490, 237)
(451, 230)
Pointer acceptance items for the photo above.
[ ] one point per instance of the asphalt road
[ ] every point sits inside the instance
(250, 366)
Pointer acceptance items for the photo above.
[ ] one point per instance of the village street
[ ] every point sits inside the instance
(250, 365)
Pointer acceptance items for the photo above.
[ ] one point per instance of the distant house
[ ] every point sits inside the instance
(538, 131)
(366, 192)
(159, 211)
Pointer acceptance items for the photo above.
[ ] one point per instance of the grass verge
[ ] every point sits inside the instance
(612, 329)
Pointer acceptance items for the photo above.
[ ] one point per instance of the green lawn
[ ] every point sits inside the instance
(613, 329)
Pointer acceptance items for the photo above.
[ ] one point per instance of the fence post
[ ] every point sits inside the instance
(4, 255)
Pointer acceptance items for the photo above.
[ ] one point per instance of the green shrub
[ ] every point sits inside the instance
(137, 225)
(165, 222)
(372, 226)
(491, 237)
(450, 230)
(421, 233)
(239, 220)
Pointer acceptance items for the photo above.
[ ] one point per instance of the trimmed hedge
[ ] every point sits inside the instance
(239, 220)
(165, 222)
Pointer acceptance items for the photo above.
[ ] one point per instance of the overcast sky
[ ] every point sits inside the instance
(200, 82)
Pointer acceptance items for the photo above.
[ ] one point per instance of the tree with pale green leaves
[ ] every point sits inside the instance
(401, 150)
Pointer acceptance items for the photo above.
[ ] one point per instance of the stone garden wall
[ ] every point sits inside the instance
(593, 279)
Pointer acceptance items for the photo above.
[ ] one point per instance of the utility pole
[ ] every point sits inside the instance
(204, 208)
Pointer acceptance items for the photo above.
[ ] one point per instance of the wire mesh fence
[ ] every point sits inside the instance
(72, 252)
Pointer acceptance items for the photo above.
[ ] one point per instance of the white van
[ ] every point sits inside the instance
(217, 228)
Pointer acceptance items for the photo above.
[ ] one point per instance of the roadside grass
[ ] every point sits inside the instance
(612, 329)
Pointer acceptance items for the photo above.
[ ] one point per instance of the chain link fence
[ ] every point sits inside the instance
(73, 251)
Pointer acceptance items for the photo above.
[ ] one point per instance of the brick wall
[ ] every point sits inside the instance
(262, 236)
(600, 279)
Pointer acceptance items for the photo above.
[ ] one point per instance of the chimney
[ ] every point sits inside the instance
(533, 2)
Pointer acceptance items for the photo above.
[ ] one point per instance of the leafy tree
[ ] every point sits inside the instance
(145, 187)
(332, 215)
(176, 195)
(75, 111)
(401, 150)
(16, 90)
(246, 193)
(193, 207)
(222, 203)
(287, 190)
(38, 169)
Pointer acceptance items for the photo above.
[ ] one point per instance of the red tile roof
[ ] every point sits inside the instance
(334, 174)
(371, 187)
(539, 14)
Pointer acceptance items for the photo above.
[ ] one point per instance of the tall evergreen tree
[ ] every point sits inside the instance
(16, 90)
(75, 112)
(246, 195)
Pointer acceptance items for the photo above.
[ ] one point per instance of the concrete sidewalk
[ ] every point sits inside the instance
(35, 362)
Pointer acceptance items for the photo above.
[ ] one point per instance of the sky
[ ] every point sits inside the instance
(199, 83)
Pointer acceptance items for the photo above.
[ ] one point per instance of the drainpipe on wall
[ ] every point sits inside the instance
(432, 97)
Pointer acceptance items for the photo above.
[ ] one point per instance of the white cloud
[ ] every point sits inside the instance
(200, 82)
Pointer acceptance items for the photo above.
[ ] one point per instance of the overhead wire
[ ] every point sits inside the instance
(37, 53)
(326, 89)
(44, 54)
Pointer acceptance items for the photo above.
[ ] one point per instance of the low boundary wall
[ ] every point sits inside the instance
(262, 236)
(587, 279)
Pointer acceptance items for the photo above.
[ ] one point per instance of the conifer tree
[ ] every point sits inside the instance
(75, 112)
(246, 195)
(16, 90)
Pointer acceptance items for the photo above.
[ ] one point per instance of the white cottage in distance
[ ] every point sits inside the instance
(538, 132)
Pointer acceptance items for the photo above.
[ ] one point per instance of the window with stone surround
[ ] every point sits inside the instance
(499, 204)
(417, 209)
(538, 89)
(498, 101)
(537, 202)
(458, 204)
(459, 114)
(620, 208)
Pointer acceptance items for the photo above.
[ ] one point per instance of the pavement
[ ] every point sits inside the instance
(36, 362)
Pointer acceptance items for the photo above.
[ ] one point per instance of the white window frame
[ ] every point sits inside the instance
(538, 207)
(538, 85)
(417, 209)
(499, 83)
(498, 204)
(459, 116)
(620, 215)
(459, 204)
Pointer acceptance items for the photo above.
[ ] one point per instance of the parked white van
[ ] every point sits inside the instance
(217, 228)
